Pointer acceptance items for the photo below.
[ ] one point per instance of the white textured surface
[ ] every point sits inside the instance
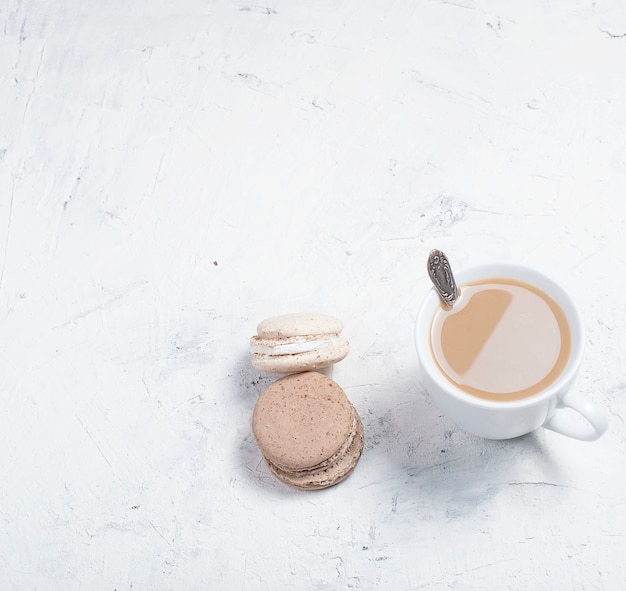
(173, 172)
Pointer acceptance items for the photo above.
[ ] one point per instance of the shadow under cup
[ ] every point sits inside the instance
(506, 419)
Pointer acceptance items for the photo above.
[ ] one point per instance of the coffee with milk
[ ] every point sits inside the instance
(503, 340)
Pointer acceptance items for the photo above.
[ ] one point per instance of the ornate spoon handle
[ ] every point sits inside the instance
(441, 275)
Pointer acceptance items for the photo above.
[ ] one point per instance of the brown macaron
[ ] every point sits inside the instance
(309, 433)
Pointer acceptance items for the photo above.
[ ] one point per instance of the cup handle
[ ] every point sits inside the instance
(560, 423)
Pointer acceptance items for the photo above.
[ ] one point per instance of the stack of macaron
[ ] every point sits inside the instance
(309, 433)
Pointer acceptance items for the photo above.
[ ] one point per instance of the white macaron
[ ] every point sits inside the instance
(298, 342)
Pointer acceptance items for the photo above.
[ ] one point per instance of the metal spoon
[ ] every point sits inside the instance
(441, 275)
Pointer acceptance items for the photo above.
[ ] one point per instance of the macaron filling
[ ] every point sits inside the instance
(290, 346)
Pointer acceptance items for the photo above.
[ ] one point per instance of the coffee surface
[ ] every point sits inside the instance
(502, 340)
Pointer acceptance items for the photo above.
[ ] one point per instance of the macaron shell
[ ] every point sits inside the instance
(330, 476)
(306, 361)
(302, 420)
(298, 324)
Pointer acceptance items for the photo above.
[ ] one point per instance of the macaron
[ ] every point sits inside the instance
(298, 342)
(309, 433)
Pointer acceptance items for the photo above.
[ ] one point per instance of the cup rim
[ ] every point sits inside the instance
(511, 270)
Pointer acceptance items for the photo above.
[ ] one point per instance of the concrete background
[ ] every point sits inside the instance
(171, 173)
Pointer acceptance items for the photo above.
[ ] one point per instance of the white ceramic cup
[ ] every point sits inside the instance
(550, 408)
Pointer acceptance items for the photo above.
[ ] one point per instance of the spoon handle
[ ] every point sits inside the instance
(441, 275)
